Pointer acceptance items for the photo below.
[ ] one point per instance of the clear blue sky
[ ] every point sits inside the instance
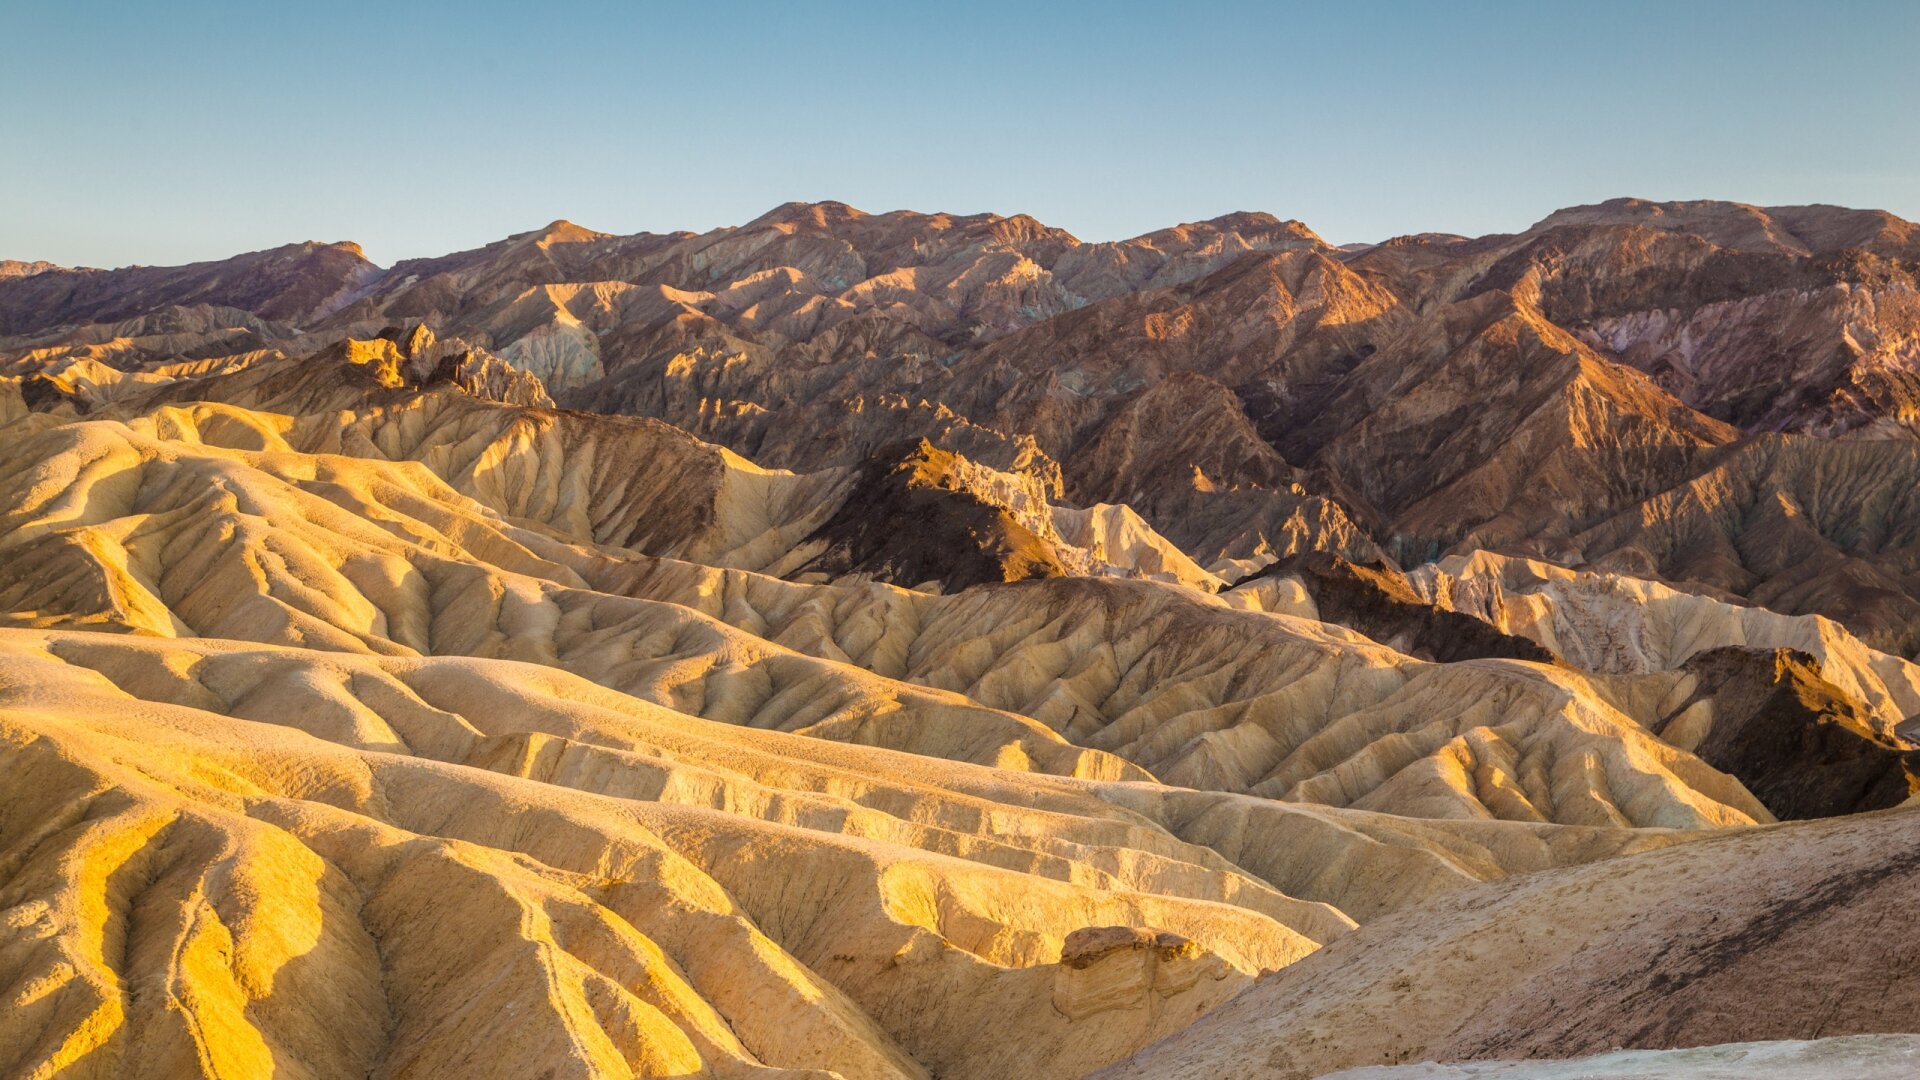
(159, 133)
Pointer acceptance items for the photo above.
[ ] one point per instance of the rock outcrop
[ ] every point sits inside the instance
(1105, 968)
(1380, 602)
(1794, 739)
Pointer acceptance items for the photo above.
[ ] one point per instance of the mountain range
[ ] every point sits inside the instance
(926, 645)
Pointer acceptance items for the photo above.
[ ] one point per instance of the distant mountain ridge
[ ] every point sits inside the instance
(1249, 389)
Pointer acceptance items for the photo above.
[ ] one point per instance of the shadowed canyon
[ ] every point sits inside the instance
(914, 645)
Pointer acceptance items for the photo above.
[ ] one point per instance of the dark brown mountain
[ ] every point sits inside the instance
(298, 283)
(1249, 389)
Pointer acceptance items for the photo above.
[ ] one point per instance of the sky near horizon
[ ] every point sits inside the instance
(167, 133)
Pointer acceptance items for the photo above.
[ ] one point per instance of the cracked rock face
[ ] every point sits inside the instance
(1105, 968)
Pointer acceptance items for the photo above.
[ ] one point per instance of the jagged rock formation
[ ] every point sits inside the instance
(175, 336)
(308, 834)
(1249, 390)
(1725, 290)
(23, 268)
(1087, 674)
(1305, 656)
(1619, 625)
(1793, 738)
(919, 515)
(1380, 602)
(1797, 525)
(916, 515)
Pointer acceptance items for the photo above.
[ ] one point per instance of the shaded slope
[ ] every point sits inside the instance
(911, 518)
(1619, 625)
(1798, 525)
(1794, 739)
(1381, 603)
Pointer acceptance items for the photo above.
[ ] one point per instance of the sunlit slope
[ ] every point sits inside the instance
(629, 482)
(636, 483)
(233, 859)
(1209, 697)
(227, 859)
(365, 714)
(144, 526)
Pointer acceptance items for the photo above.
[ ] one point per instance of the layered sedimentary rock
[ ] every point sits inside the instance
(373, 814)
(236, 859)
(896, 645)
(1381, 603)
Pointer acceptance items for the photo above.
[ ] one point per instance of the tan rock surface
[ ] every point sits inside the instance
(117, 527)
(1733, 938)
(352, 865)
(1615, 624)
(1860, 1057)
